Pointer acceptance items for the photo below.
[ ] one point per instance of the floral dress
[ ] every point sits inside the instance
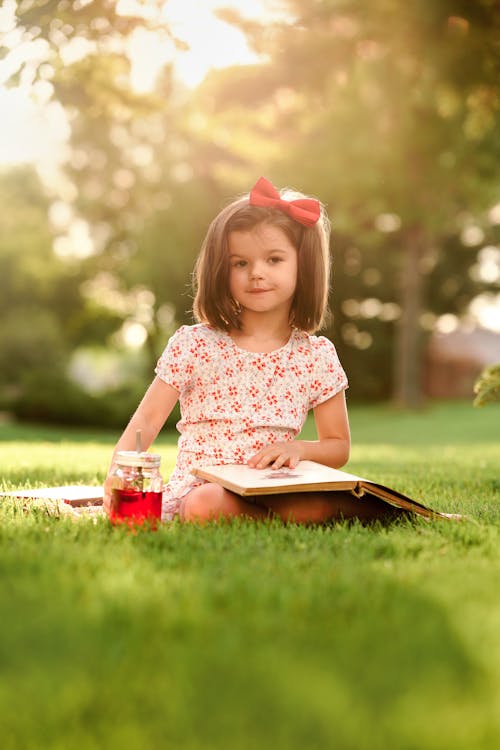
(234, 402)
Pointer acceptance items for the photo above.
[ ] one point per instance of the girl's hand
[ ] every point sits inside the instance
(277, 455)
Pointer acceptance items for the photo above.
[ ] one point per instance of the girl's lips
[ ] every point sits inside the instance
(257, 291)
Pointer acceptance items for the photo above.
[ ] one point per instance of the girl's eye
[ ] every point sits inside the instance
(275, 259)
(239, 264)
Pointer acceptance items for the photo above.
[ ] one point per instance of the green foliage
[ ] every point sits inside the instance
(28, 268)
(244, 635)
(487, 387)
(38, 292)
(167, 247)
(109, 122)
(389, 112)
(51, 397)
(30, 339)
(62, 20)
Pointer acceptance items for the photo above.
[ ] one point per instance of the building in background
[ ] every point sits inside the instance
(454, 361)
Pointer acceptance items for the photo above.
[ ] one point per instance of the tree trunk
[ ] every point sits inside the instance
(407, 365)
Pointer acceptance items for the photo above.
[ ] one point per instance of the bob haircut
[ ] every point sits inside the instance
(213, 303)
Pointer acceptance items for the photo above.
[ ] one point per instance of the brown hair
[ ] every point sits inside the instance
(213, 303)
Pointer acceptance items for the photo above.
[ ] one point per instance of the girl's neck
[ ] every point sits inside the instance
(256, 337)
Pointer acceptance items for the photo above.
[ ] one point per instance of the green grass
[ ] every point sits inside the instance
(258, 636)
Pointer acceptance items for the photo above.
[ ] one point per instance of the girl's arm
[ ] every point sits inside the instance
(332, 447)
(149, 418)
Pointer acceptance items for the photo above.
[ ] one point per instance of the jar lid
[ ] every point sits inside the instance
(133, 458)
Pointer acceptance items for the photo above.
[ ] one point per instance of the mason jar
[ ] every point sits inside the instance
(137, 488)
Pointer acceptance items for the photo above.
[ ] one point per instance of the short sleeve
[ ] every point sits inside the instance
(176, 365)
(329, 377)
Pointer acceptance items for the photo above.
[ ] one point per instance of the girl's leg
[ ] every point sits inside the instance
(317, 508)
(210, 502)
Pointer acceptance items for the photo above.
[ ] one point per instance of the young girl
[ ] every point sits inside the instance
(249, 372)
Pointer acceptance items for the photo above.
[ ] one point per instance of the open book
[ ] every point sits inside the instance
(308, 476)
(73, 494)
(76, 496)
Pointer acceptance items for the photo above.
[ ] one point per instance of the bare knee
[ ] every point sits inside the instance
(210, 502)
(203, 503)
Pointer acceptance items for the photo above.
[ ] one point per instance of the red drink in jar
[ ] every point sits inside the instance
(136, 507)
(137, 489)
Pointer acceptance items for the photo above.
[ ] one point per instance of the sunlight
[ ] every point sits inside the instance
(32, 130)
(133, 334)
(211, 43)
(485, 310)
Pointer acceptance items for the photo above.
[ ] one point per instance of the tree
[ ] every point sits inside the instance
(79, 53)
(38, 292)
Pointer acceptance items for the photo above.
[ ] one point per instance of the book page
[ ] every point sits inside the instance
(307, 474)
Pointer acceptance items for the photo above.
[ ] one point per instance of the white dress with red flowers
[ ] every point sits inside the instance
(234, 402)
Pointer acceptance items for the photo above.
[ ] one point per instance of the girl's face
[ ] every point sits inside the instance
(262, 269)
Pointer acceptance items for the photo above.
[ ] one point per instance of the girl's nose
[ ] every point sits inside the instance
(256, 271)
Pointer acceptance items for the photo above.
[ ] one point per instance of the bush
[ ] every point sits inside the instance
(54, 398)
(487, 387)
(30, 339)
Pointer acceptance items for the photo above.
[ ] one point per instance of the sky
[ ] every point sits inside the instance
(33, 129)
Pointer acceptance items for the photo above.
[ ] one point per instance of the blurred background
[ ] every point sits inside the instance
(127, 125)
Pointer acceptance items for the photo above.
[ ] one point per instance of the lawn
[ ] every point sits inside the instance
(258, 636)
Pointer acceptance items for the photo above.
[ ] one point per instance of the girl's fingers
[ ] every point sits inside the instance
(286, 460)
(267, 457)
(281, 461)
(275, 455)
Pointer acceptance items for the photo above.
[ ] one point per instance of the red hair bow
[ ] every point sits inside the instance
(304, 210)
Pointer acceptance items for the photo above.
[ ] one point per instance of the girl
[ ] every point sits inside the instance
(249, 372)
